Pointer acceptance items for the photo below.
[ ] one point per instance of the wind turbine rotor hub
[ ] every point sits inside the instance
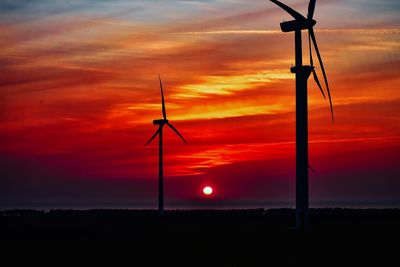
(296, 25)
(160, 122)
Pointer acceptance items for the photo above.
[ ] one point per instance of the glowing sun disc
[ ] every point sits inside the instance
(207, 190)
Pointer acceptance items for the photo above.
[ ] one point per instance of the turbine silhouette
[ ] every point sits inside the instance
(159, 132)
(302, 74)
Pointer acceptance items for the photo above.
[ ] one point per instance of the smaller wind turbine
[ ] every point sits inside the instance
(159, 132)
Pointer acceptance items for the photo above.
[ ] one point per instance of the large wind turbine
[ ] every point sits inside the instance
(159, 132)
(302, 74)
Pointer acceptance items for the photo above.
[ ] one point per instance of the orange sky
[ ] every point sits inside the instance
(79, 91)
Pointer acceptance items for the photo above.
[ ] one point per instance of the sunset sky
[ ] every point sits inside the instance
(79, 90)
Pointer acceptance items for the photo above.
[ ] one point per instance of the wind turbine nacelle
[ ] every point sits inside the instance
(297, 25)
(160, 122)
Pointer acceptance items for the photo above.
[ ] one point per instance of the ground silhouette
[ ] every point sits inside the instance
(203, 237)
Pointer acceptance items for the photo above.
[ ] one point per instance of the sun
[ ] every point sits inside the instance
(207, 190)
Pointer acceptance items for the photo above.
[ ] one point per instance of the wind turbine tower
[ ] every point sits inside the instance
(160, 123)
(302, 74)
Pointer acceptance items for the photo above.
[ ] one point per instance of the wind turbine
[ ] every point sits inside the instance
(159, 132)
(302, 74)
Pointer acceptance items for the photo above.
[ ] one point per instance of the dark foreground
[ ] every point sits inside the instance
(201, 238)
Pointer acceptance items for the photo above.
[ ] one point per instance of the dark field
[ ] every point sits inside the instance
(202, 238)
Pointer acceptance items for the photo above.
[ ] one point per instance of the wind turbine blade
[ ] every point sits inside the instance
(312, 65)
(152, 138)
(311, 9)
(176, 131)
(311, 31)
(164, 112)
(289, 10)
(313, 171)
(318, 83)
(309, 45)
